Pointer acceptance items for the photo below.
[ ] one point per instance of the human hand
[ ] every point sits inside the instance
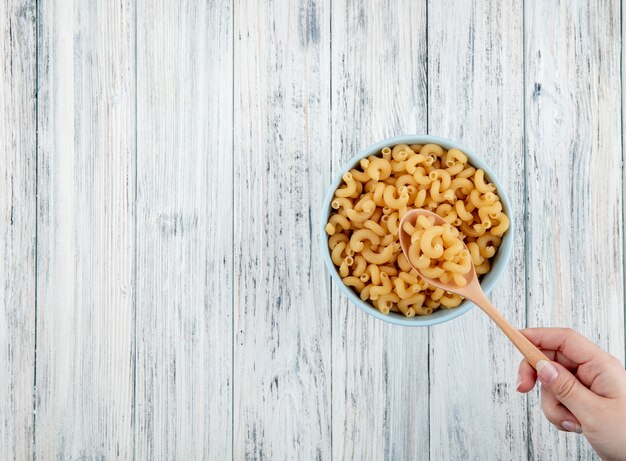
(583, 389)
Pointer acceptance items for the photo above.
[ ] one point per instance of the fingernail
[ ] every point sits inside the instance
(546, 371)
(519, 382)
(572, 427)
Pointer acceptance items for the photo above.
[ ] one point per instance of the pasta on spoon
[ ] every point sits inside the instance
(437, 251)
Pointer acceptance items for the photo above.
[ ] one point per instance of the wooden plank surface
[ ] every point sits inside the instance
(380, 371)
(282, 368)
(161, 283)
(476, 95)
(623, 127)
(574, 185)
(85, 238)
(17, 227)
(184, 230)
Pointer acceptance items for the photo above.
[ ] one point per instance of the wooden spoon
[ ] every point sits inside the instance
(471, 291)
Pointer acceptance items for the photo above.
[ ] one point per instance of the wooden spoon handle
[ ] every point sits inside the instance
(528, 349)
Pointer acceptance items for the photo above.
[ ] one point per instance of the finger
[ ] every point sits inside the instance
(558, 356)
(526, 377)
(566, 388)
(557, 414)
(604, 376)
(599, 374)
(573, 345)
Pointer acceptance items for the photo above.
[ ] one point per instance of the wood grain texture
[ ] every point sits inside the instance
(282, 155)
(380, 371)
(17, 227)
(184, 230)
(574, 185)
(161, 280)
(623, 127)
(84, 372)
(476, 98)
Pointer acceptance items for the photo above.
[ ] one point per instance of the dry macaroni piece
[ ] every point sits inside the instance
(373, 198)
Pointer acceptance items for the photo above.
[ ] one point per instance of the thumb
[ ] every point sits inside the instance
(566, 387)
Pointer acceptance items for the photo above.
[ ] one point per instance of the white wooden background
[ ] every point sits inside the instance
(162, 165)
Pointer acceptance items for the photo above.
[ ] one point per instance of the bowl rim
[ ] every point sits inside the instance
(489, 280)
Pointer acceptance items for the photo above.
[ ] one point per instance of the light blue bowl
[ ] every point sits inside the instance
(499, 262)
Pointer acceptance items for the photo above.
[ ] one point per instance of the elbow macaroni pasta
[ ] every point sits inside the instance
(364, 224)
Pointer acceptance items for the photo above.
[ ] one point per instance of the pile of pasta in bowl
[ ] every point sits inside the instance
(363, 226)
